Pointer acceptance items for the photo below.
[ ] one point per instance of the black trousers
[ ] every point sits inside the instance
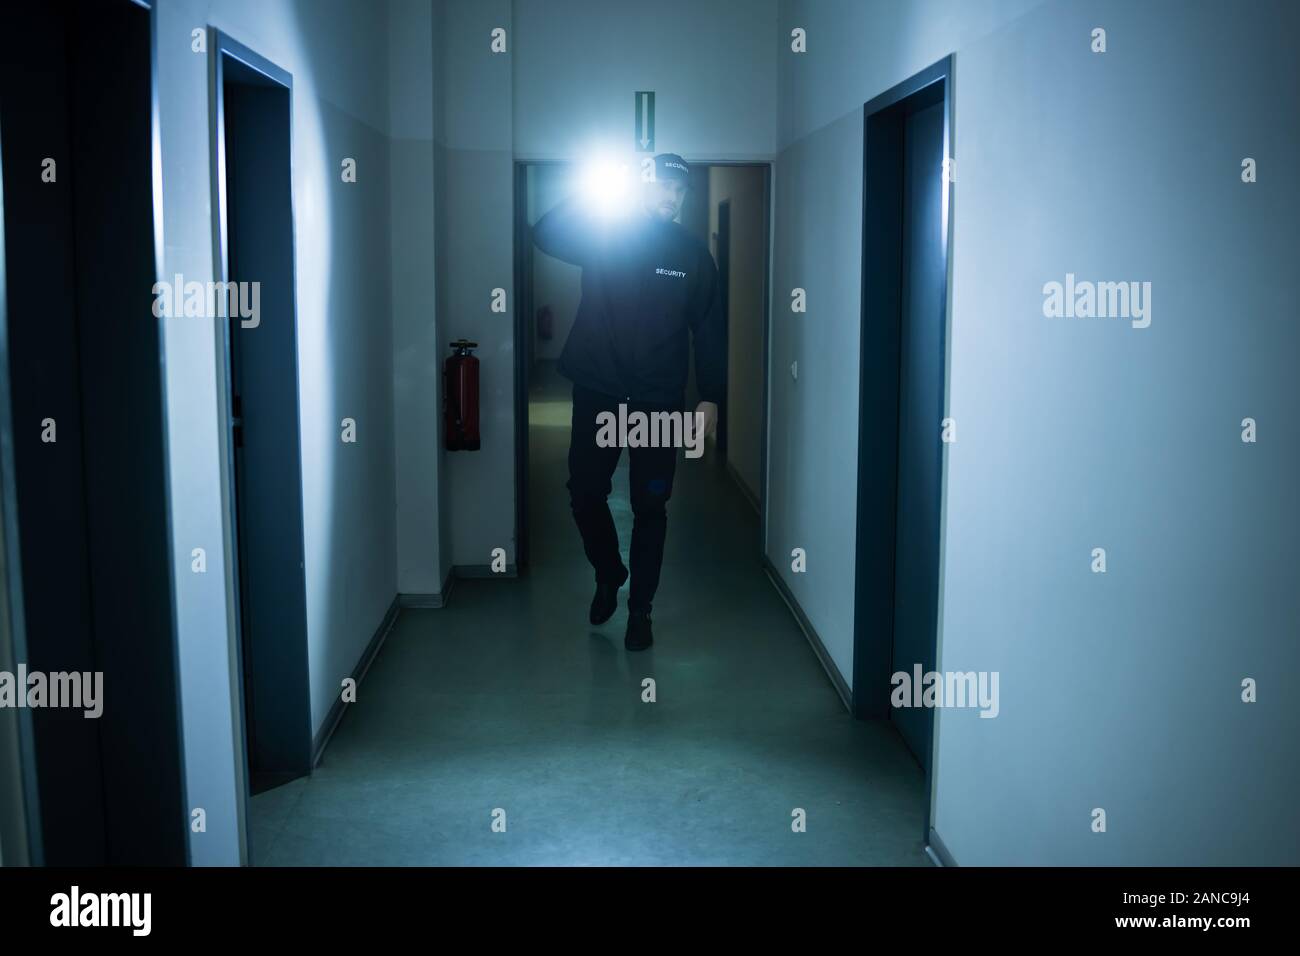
(591, 469)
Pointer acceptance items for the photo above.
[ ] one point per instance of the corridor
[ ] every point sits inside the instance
(985, 306)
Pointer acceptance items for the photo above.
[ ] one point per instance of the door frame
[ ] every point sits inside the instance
(522, 331)
(20, 811)
(220, 46)
(878, 396)
(724, 287)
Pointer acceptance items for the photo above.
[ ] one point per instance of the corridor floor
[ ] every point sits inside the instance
(508, 699)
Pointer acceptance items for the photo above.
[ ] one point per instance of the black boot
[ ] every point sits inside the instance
(638, 636)
(605, 603)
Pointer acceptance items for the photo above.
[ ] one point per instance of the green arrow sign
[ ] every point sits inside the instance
(645, 121)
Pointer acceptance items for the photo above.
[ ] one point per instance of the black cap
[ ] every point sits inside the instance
(672, 166)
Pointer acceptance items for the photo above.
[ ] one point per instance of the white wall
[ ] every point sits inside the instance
(579, 63)
(335, 50)
(418, 340)
(1118, 691)
(477, 213)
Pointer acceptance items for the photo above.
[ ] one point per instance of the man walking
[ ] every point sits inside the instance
(647, 285)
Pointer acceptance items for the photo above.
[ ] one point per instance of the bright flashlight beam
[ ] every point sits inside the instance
(605, 187)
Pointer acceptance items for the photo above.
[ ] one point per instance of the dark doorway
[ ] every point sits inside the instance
(920, 409)
(84, 447)
(255, 257)
(904, 317)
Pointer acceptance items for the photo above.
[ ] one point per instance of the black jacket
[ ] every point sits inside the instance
(645, 282)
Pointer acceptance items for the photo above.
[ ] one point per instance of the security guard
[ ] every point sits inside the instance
(647, 284)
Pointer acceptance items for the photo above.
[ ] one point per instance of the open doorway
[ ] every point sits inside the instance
(88, 561)
(907, 135)
(727, 209)
(253, 196)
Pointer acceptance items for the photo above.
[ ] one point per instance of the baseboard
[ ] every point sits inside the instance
(937, 851)
(841, 686)
(430, 600)
(424, 600)
(484, 571)
(744, 490)
(358, 674)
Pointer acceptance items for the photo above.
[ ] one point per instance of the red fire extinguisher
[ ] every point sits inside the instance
(460, 397)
